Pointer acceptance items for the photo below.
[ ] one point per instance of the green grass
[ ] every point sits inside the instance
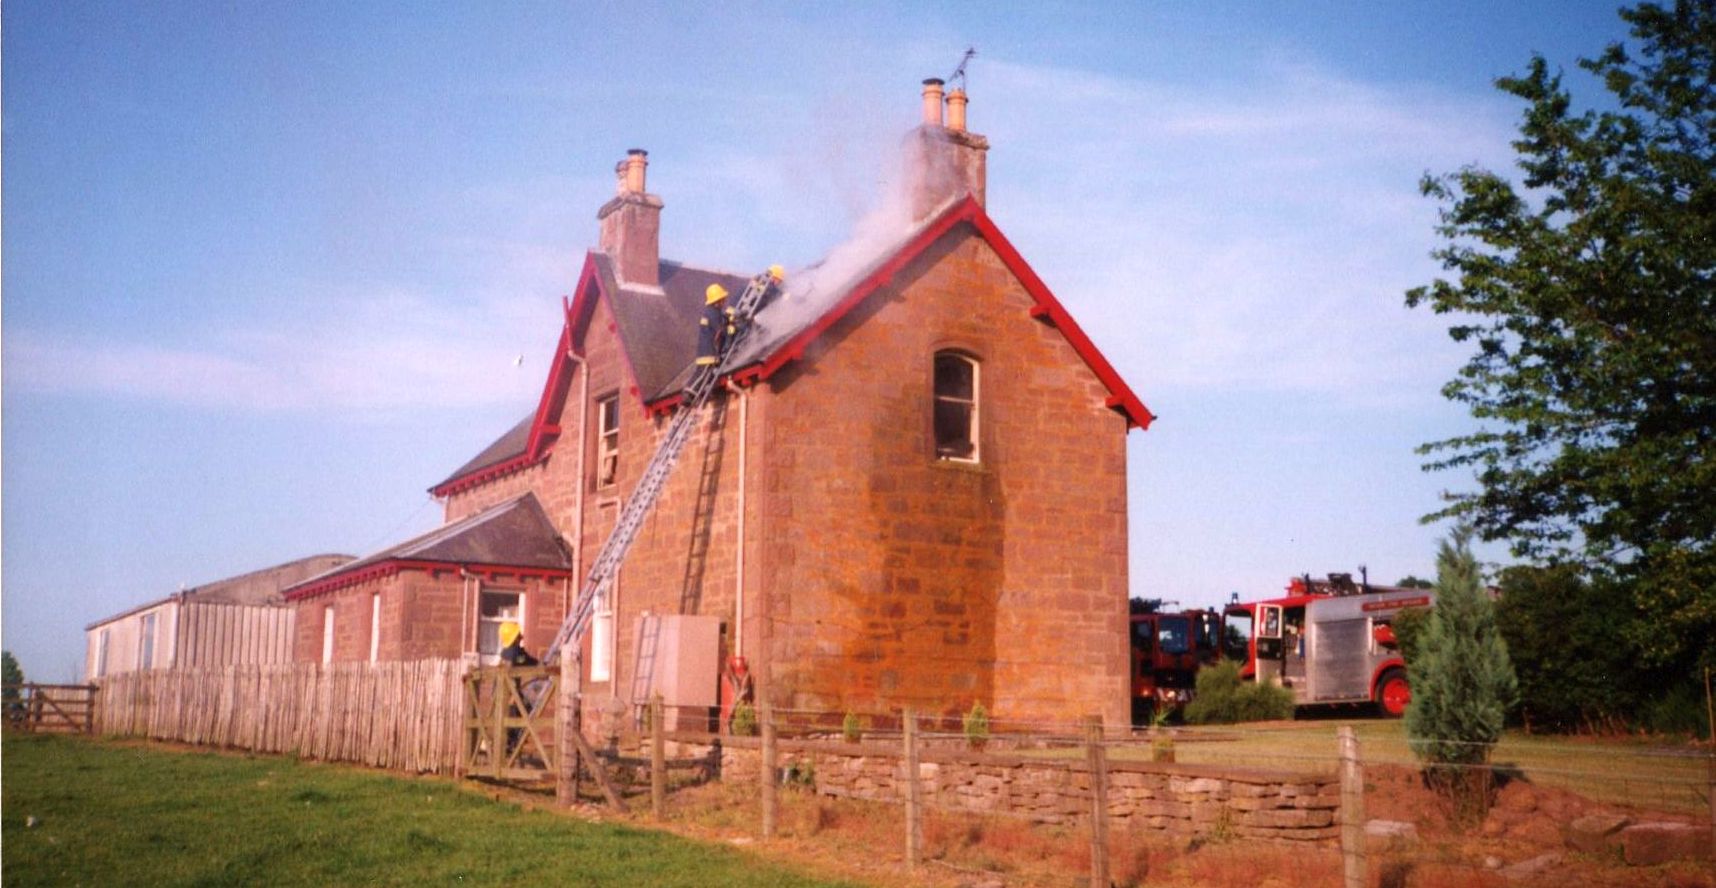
(112, 814)
(1620, 771)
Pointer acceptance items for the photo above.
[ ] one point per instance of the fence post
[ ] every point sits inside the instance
(1353, 863)
(657, 758)
(568, 720)
(1097, 758)
(914, 798)
(766, 713)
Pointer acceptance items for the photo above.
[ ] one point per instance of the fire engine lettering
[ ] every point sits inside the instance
(1420, 601)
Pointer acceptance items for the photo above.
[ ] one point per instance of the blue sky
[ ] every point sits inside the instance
(268, 268)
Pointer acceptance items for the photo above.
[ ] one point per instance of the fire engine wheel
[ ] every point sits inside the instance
(1393, 693)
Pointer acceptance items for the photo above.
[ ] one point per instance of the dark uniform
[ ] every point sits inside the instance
(712, 330)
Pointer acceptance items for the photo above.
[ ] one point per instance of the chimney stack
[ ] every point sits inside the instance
(631, 224)
(932, 102)
(945, 160)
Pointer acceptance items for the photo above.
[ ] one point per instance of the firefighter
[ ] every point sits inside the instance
(512, 646)
(715, 325)
(513, 654)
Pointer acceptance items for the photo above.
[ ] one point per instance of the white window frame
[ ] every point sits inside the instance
(490, 658)
(147, 625)
(607, 441)
(327, 633)
(101, 642)
(602, 638)
(374, 626)
(975, 405)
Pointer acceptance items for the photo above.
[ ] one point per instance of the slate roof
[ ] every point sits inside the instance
(657, 326)
(509, 445)
(515, 533)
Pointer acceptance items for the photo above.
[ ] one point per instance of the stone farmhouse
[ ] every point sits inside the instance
(910, 491)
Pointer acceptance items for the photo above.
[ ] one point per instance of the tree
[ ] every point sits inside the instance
(1411, 582)
(1590, 297)
(1567, 638)
(11, 674)
(1462, 683)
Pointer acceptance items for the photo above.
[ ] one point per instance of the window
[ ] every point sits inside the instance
(374, 626)
(607, 440)
(327, 633)
(496, 607)
(1173, 635)
(955, 407)
(146, 643)
(602, 640)
(101, 654)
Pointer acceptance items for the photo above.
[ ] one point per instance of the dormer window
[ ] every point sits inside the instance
(956, 380)
(607, 441)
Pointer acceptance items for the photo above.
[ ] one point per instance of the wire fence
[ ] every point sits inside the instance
(1348, 799)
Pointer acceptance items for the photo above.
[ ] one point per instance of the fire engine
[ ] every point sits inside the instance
(1330, 642)
(1167, 649)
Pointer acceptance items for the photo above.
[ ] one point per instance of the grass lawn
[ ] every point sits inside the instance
(1620, 771)
(111, 814)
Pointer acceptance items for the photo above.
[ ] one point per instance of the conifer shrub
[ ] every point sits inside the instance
(744, 722)
(1222, 698)
(977, 726)
(1462, 685)
(850, 729)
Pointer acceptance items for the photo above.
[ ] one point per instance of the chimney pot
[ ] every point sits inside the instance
(932, 101)
(956, 101)
(637, 160)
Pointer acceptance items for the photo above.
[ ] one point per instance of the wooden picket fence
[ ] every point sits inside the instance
(402, 716)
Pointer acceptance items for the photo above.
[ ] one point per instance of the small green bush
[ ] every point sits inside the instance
(850, 729)
(1221, 698)
(977, 726)
(744, 722)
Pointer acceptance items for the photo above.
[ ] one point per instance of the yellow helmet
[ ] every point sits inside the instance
(777, 273)
(509, 633)
(715, 293)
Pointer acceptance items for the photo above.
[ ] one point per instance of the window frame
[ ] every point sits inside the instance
(146, 629)
(607, 462)
(974, 405)
(491, 658)
(374, 626)
(327, 633)
(102, 640)
(602, 637)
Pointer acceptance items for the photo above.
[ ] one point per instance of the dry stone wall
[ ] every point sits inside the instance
(1170, 798)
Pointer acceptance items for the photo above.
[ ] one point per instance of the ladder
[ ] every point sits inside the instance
(642, 499)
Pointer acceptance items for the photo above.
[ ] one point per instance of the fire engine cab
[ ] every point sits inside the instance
(1330, 642)
(1167, 649)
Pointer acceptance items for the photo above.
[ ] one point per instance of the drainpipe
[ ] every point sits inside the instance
(578, 498)
(466, 635)
(739, 556)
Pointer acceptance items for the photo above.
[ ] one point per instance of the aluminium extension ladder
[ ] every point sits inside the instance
(643, 497)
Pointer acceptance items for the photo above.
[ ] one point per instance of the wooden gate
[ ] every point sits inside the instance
(58, 709)
(509, 722)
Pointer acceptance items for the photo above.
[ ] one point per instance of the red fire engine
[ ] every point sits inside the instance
(1167, 649)
(1329, 642)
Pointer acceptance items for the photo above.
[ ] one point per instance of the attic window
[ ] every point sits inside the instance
(955, 407)
(607, 440)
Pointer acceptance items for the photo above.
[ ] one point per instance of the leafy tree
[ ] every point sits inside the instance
(1462, 683)
(1411, 582)
(1589, 294)
(1138, 605)
(1220, 697)
(11, 674)
(1567, 638)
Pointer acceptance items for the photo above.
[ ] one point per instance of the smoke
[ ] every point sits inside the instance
(918, 174)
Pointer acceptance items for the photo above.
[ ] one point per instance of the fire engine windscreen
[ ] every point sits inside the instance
(1236, 638)
(1174, 635)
